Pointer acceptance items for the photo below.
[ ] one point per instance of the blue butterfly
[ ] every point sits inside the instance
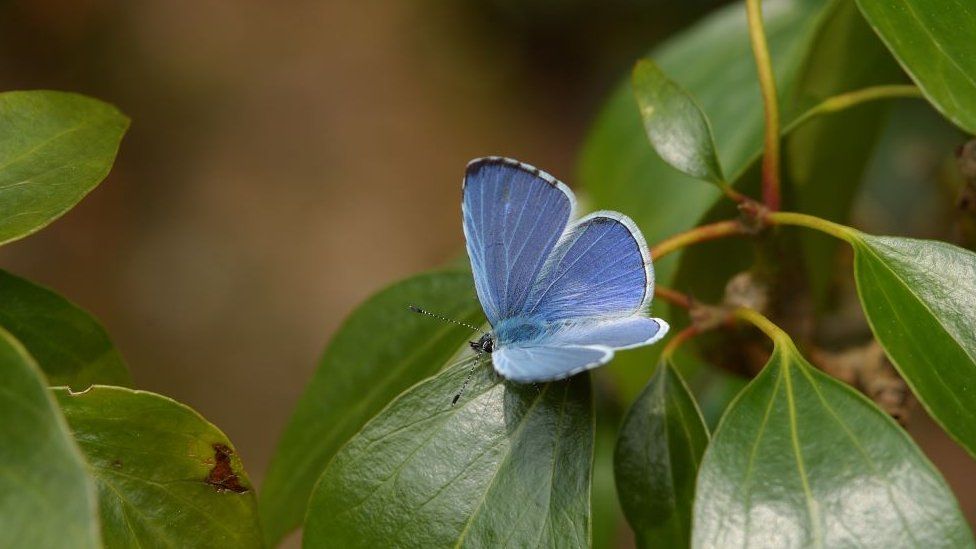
(560, 297)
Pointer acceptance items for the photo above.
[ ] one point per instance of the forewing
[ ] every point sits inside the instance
(542, 363)
(625, 333)
(599, 269)
(513, 216)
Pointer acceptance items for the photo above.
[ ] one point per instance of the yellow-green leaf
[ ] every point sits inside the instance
(55, 147)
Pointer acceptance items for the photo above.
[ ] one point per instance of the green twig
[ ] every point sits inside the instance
(812, 222)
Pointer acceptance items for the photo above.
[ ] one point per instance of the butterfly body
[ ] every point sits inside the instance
(561, 297)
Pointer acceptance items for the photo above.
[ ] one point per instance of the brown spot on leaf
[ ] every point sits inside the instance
(222, 477)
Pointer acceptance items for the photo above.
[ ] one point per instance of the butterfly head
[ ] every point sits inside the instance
(485, 345)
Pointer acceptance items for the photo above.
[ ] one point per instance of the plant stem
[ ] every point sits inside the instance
(677, 339)
(811, 222)
(767, 84)
(759, 321)
(852, 99)
(698, 234)
(673, 297)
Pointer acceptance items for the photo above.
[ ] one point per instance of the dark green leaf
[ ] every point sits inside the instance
(68, 344)
(920, 299)
(675, 124)
(382, 349)
(46, 497)
(933, 40)
(802, 460)
(508, 466)
(166, 477)
(606, 516)
(658, 451)
(54, 148)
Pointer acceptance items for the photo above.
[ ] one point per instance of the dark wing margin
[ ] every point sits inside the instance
(513, 216)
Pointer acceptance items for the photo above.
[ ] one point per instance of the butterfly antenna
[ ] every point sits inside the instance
(464, 385)
(443, 318)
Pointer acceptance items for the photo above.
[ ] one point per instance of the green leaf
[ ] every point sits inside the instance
(68, 344)
(380, 350)
(606, 516)
(933, 40)
(54, 148)
(658, 451)
(46, 497)
(802, 460)
(508, 466)
(166, 477)
(675, 124)
(920, 300)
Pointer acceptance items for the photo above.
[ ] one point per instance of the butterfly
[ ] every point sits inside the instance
(561, 297)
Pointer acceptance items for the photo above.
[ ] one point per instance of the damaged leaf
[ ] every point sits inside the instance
(165, 475)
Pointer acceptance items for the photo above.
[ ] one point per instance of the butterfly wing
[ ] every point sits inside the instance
(513, 216)
(599, 269)
(541, 363)
(624, 333)
(575, 348)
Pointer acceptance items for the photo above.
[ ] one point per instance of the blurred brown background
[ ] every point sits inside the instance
(287, 159)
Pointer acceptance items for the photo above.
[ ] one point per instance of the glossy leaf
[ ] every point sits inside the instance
(675, 124)
(658, 451)
(802, 460)
(46, 497)
(508, 466)
(69, 345)
(54, 148)
(380, 350)
(920, 300)
(166, 477)
(933, 40)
